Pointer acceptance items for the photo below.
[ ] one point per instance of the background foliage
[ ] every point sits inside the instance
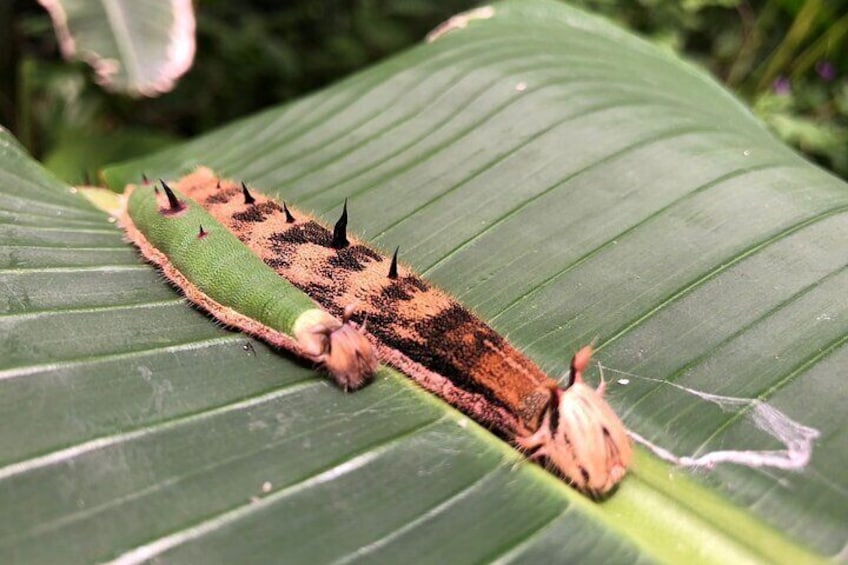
(786, 58)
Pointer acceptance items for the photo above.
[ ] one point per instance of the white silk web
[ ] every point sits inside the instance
(796, 438)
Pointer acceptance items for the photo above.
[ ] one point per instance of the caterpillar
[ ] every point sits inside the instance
(280, 274)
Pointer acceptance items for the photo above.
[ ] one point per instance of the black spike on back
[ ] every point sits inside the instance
(340, 230)
(202, 233)
(218, 184)
(248, 198)
(144, 180)
(393, 266)
(173, 201)
(393, 271)
(289, 218)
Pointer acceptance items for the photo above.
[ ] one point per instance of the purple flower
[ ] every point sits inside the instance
(826, 70)
(781, 86)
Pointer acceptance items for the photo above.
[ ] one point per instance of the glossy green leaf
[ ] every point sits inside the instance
(566, 180)
(136, 47)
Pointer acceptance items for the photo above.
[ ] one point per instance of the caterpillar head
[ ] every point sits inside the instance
(341, 347)
(580, 436)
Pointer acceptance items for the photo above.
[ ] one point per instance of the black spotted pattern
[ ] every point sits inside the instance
(258, 212)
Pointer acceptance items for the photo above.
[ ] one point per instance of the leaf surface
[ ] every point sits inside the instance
(561, 177)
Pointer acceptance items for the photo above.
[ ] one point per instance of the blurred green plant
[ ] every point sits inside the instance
(250, 55)
(787, 58)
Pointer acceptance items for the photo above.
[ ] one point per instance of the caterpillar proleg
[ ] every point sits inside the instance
(247, 238)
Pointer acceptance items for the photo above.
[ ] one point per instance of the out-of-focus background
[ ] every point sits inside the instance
(787, 59)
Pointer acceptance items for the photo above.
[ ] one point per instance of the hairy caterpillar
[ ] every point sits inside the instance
(217, 272)
(410, 324)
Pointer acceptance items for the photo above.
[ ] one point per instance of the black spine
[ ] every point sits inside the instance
(393, 270)
(174, 203)
(248, 198)
(340, 230)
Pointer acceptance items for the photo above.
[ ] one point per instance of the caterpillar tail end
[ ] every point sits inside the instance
(340, 346)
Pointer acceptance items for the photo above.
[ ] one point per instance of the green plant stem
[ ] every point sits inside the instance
(799, 30)
(751, 42)
(830, 41)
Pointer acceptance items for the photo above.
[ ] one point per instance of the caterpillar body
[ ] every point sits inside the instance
(371, 307)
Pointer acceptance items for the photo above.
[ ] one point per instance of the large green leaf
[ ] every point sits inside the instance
(139, 47)
(561, 177)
